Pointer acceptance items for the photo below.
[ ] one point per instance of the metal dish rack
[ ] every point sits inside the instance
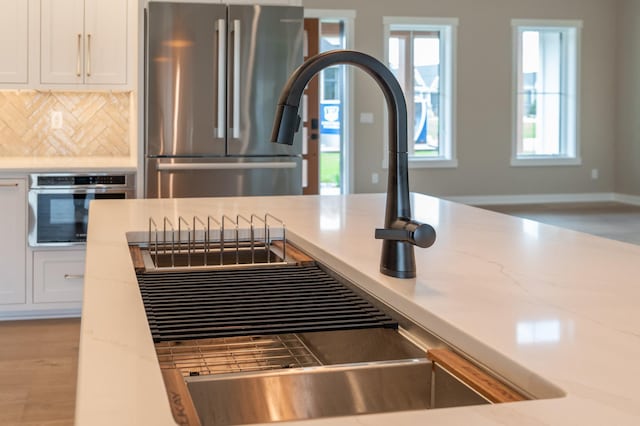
(215, 243)
(235, 354)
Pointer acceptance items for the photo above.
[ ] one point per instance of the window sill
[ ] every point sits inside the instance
(426, 163)
(545, 161)
(431, 163)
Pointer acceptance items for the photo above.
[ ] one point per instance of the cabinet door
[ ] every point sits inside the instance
(106, 31)
(62, 42)
(13, 228)
(58, 276)
(14, 30)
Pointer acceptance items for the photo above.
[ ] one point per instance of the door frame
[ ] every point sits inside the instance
(347, 16)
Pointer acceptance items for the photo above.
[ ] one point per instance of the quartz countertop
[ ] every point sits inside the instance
(552, 310)
(64, 164)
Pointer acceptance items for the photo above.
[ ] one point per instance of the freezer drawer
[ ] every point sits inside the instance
(224, 177)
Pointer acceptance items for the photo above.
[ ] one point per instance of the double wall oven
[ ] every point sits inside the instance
(59, 204)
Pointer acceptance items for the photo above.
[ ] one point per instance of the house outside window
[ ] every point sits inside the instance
(546, 82)
(421, 54)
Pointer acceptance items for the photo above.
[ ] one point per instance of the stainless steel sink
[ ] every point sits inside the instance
(243, 341)
(312, 393)
(359, 372)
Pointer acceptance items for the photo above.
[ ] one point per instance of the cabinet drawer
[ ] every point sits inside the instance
(58, 276)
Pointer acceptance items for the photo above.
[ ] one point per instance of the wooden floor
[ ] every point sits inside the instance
(38, 371)
(38, 359)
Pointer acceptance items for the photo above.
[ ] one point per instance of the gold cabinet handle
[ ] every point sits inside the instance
(88, 55)
(9, 185)
(78, 56)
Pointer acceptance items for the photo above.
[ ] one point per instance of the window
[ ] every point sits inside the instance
(331, 83)
(420, 53)
(546, 92)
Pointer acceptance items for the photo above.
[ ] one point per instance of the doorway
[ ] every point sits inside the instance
(327, 112)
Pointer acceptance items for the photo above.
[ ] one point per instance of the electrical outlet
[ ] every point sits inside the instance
(56, 120)
(595, 174)
(366, 117)
(375, 178)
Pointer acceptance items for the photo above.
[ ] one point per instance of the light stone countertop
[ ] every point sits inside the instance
(65, 164)
(553, 310)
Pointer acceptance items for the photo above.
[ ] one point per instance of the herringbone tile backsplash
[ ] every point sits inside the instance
(93, 124)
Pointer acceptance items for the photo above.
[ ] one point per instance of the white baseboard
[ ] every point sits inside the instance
(486, 200)
(627, 199)
(39, 314)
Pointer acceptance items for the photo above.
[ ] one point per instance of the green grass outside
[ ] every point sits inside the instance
(529, 130)
(330, 167)
(426, 152)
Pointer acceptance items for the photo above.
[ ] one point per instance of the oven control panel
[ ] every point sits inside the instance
(75, 180)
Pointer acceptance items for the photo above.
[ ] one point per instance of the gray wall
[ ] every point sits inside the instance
(484, 68)
(628, 95)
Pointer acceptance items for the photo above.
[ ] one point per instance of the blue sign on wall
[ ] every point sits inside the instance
(330, 118)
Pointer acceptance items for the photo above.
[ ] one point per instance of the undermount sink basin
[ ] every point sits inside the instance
(311, 393)
(360, 372)
(263, 379)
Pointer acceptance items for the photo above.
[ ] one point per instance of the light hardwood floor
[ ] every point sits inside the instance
(38, 359)
(38, 364)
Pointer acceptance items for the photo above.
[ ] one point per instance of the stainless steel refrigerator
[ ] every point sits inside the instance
(214, 73)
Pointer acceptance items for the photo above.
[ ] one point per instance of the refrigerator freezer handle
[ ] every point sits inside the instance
(221, 32)
(236, 79)
(172, 167)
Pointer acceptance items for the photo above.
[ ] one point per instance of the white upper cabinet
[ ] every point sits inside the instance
(85, 42)
(14, 41)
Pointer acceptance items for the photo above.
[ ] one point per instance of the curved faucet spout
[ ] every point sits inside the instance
(400, 230)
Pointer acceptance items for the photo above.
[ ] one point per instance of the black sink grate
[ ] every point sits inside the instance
(275, 300)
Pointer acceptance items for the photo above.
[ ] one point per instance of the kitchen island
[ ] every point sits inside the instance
(553, 311)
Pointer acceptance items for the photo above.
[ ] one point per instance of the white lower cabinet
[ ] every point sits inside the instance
(13, 228)
(58, 276)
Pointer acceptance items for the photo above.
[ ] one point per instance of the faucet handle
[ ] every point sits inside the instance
(411, 231)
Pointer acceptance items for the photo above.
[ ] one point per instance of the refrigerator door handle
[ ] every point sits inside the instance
(221, 32)
(172, 167)
(235, 130)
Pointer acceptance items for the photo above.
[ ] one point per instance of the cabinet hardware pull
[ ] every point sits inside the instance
(79, 53)
(73, 276)
(88, 55)
(9, 185)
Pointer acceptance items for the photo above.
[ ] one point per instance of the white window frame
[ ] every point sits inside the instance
(570, 119)
(448, 29)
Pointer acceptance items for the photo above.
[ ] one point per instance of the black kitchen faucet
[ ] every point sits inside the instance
(400, 232)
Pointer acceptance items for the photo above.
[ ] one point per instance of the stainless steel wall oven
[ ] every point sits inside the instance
(59, 204)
